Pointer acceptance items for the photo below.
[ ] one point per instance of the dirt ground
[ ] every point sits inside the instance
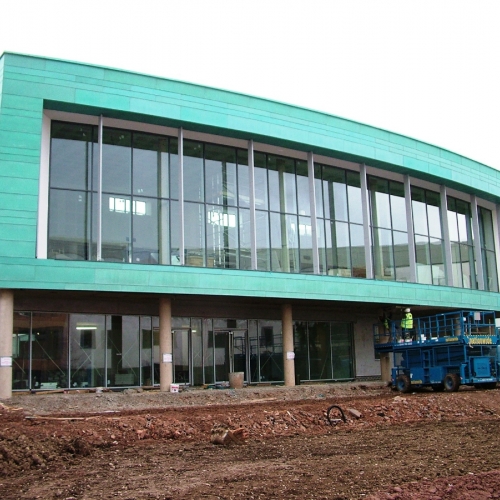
(143, 445)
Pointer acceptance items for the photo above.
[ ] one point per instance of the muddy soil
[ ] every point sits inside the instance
(140, 445)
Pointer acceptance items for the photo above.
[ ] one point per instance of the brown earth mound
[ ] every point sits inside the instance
(153, 445)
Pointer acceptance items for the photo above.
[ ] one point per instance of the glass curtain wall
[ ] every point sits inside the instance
(135, 200)
(391, 258)
(323, 350)
(283, 215)
(429, 244)
(340, 222)
(488, 249)
(217, 200)
(72, 191)
(462, 244)
(140, 211)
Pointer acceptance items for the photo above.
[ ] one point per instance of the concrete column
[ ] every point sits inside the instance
(6, 330)
(288, 352)
(166, 361)
(385, 367)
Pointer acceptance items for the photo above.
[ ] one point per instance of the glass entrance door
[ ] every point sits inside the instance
(230, 354)
(181, 341)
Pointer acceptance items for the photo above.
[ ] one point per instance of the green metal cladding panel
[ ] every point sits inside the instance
(27, 84)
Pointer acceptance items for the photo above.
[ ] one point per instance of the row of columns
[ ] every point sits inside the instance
(166, 348)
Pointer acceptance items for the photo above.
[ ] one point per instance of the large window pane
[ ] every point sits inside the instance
(401, 256)
(358, 251)
(220, 175)
(222, 237)
(145, 231)
(70, 155)
(262, 241)
(261, 189)
(304, 199)
(193, 171)
(243, 179)
(354, 197)
(245, 239)
(382, 254)
(305, 241)
(282, 184)
(116, 161)
(194, 231)
(380, 203)
(150, 165)
(69, 225)
(116, 228)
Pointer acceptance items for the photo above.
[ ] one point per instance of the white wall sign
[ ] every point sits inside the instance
(167, 357)
(290, 355)
(5, 361)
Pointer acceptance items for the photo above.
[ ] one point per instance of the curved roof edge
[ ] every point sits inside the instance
(384, 153)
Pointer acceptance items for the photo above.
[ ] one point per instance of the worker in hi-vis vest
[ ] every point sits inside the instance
(407, 323)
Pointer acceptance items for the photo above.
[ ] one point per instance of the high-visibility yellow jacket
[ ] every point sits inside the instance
(407, 321)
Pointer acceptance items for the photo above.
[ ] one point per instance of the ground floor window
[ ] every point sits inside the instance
(71, 351)
(323, 350)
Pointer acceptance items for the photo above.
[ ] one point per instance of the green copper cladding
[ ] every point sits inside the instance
(28, 85)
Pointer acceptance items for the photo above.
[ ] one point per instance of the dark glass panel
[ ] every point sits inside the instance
(341, 250)
(123, 362)
(320, 360)
(301, 349)
(49, 351)
(320, 231)
(164, 232)
(401, 256)
(21, 338)
(423, 259)
(380, 204)
(342, 351)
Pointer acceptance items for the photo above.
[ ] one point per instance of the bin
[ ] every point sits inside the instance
(236, 380)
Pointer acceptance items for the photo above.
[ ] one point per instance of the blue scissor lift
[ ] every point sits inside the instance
(443, 351)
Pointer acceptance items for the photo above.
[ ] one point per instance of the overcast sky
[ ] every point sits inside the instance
(428, 69)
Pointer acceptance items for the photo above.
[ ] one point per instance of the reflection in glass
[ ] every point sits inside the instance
(87, 350)
(116, 161)
(69, 225)
(21, 351)
(194, 231)
(49, 368)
